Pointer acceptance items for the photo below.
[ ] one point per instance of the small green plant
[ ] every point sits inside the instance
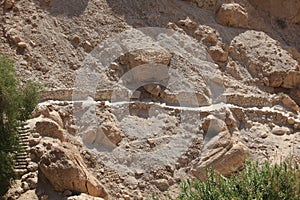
(266, 182)
(16, 104)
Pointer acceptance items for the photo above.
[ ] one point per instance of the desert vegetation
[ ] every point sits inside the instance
(263, 182)
(16, 105)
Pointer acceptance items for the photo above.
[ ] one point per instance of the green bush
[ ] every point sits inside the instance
(16, 104)
(266, 182)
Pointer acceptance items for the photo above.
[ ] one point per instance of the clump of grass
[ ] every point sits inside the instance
(260, 182)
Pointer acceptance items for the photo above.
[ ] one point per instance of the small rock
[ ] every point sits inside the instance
(22, 45)
(264, 135)
(151, 142)
(18, 192)
(291, 121)
(32, 182)
(142, 185)
(36, 135)
(76, 39)
(266, 81)
(16, 39)
(153, 89)
(87, 46)
(280, 130)
(232, 14)
(28, 175)
(8, 4)
(32, 167)
(161, 184)
(218, 54)
(213, 124)
(25, 186)
(187, 23)
(183, 160)
(131, 181)
(290, 103)
(34, 141)
(137, 195)
(175, 27)
(33, 44)
(139, 172)
(67, 193)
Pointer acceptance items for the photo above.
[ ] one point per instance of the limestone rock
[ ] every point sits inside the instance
(289, 103)
(103, 137)
(49, 128)
(65, 170)
(54, 115)
(207, 34)
(213, 124)
(291, 80)
(264, 57)
(89, 136)
(153, 89)
(280, 130)
(218, 54)
(223, 160)
(174, 27)
(232, 14)
(112, 132)
(188, 23)
(148, 73)
(151, 55)
(162, 184)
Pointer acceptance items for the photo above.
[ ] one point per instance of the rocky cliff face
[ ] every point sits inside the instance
(162, 90)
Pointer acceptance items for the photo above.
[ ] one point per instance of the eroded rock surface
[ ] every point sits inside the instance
(65, 170)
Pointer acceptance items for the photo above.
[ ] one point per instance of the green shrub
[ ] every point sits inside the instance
(16, 104)
(266, 182)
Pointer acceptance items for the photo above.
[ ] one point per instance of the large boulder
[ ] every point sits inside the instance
(49, 128)
(156, 55)
(65, 170)
(232, 14)
(224, 157)
(265, 59)
(221, 150)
